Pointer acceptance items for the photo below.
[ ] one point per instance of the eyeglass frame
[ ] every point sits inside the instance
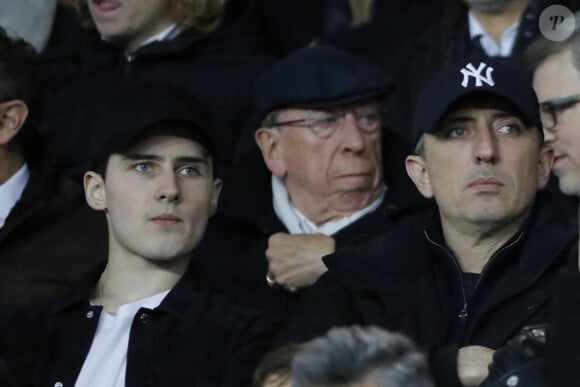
(556, 105)
(310, 123)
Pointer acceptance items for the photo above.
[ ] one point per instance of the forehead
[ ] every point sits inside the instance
(556, 76)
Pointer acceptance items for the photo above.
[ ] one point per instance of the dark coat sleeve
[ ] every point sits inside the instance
(325, 305)
(562, 337)
(254, 338)
(443, 364)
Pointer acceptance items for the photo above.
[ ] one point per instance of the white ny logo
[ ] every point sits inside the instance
(470, 71)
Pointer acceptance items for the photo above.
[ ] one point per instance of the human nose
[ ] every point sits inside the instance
(351, 135)
(169, 190)
(485, 147)
(549, 135)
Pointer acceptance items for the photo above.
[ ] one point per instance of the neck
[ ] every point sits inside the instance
(129, 280)
(11, 161)
(496, 23)
(474, 245)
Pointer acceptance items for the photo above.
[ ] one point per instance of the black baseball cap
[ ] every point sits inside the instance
(135, 109)
(318, 77)
(469, 76)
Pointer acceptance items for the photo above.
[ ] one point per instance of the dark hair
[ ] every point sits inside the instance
(23, 77)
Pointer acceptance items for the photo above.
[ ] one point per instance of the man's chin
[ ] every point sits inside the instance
(571, 188)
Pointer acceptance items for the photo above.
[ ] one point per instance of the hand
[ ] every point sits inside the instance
(472, 364)
(295, 260)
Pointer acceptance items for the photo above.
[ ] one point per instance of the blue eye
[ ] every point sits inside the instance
(510, 129)
(457, 132)
(189, 171)
(143, 167)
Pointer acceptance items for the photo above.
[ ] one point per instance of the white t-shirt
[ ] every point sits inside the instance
(106, 362)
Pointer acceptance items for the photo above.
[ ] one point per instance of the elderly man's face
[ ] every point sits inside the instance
(556, 78)
(328, 173)
(482, 165)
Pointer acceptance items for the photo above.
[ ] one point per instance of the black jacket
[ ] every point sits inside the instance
(217, 68)
(234, 246)
(408, 281)
(562, 339)
(193, 338)
(51, 237)
(547, 354)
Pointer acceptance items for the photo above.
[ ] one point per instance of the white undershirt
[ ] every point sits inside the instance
(106, 362)
(298, 223)
(488, 44)
(11, 191)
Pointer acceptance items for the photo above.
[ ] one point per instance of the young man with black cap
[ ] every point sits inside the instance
(463, 281)
(138, 321)
(317, 179)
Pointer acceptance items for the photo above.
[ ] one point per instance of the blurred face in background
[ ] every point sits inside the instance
(487, 5)
(556, 79)
(130, 22)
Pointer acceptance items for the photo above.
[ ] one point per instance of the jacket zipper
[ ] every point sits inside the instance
(129, 67)
(463, 313)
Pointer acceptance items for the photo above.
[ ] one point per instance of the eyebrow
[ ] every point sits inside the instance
(180, 159)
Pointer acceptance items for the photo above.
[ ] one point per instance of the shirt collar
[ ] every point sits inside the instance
(489, 46)
(167, 34)
(11, 191)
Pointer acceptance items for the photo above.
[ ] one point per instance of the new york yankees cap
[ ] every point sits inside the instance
(136, 108)
(469, 76)
(318, 77)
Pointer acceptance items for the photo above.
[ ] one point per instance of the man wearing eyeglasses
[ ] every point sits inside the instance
(315, 183)
(557, 83)
(548, 356)
(464, 280)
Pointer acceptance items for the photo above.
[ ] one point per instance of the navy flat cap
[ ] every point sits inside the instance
(469, 76)
(318, 77)
(128, 113)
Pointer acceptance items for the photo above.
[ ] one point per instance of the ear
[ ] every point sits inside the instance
(416, 170)
(95, 191)
(545, 162)
(13, 114)
(215, 194)
(268, 140)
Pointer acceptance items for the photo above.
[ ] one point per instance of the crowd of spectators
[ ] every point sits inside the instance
(308, 193)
